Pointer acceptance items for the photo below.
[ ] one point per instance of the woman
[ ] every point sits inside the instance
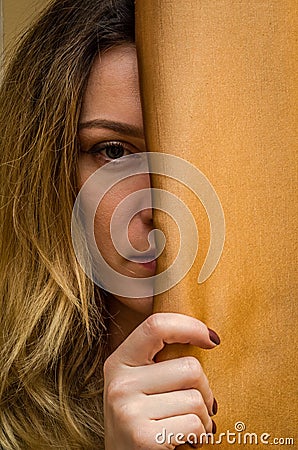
(70, 104)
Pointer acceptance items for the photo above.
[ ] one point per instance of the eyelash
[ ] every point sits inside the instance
(99, 149)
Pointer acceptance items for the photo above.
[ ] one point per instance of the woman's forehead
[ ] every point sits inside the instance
(112, 90)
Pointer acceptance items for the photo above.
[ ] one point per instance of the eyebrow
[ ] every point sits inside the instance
(118, 127)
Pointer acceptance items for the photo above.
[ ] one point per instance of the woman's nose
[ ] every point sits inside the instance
(146, 216)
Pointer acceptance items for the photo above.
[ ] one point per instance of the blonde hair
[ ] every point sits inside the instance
(53, 334)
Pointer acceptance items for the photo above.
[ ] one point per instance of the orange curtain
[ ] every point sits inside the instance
(219, 88)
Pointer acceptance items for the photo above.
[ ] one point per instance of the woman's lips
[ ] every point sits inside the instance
(151, 266)
(147, 261)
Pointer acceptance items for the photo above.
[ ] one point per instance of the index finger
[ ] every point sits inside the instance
(141, 346)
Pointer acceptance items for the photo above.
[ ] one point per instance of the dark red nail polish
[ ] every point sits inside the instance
(214, 407)
(214, 337)
(213, 427)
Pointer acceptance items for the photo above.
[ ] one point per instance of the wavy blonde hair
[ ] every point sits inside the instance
(52, 326)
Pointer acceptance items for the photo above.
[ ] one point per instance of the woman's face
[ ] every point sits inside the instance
(111, 126)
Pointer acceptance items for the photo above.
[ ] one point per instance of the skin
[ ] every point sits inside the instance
(112, 94)
(141, 397)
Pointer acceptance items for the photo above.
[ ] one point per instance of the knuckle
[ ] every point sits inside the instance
(116, 389)
(193, 366)
(139, 438)
(195, 423)
(168, 446)
(143, 437)
(108, 365)
(195, 397)
(152, 324)
(127, 411)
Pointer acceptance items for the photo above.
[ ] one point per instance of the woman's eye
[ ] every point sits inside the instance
(110, 150)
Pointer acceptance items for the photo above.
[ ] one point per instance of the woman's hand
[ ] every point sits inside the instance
(144, 400)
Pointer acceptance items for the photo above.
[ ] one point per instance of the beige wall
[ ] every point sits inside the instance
(17, 14)
(1, 30)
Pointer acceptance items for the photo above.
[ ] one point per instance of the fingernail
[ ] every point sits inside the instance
(213, 427)
(214, 407)
(214, 337)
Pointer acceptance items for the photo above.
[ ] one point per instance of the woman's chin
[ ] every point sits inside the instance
(142, 306)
